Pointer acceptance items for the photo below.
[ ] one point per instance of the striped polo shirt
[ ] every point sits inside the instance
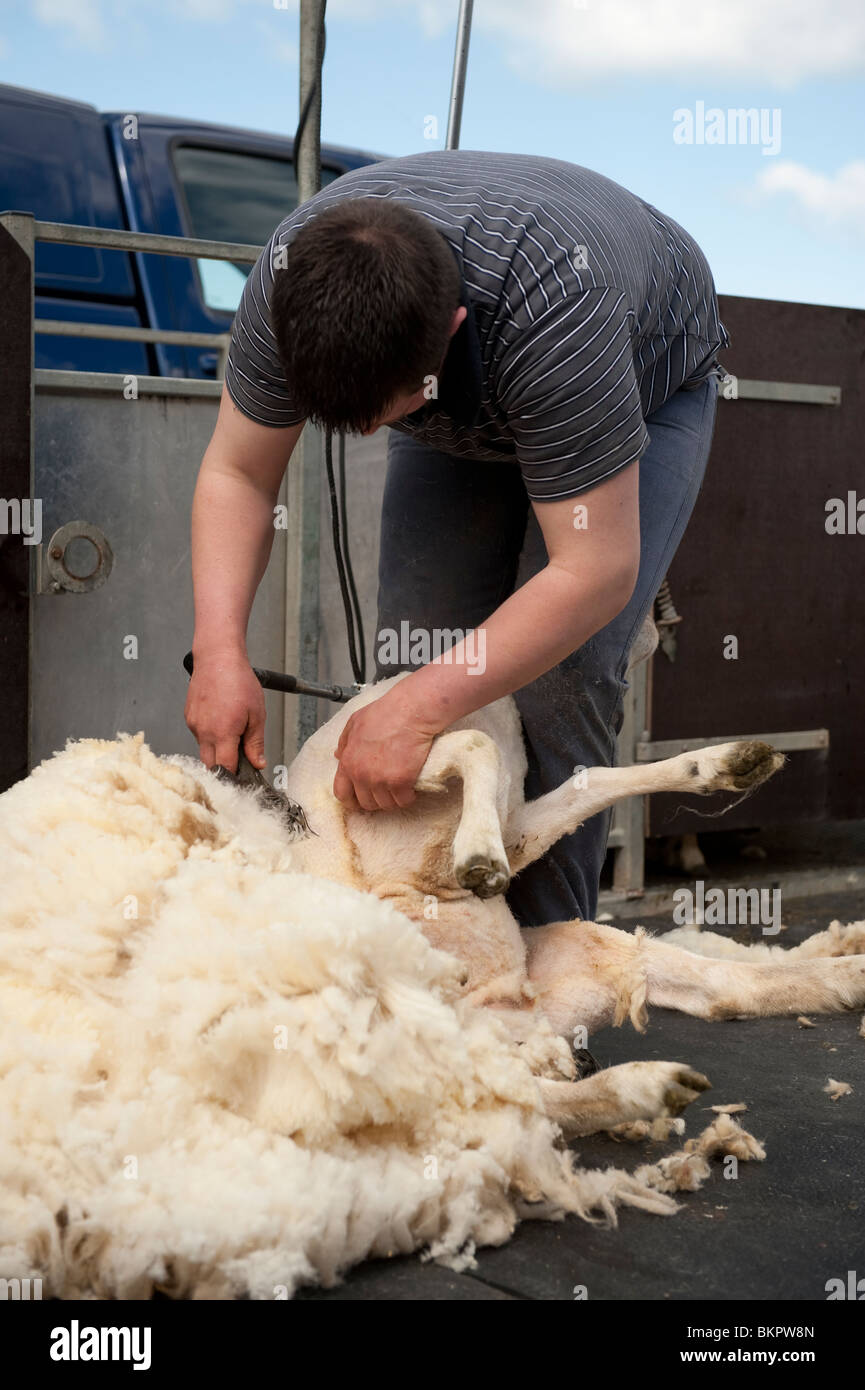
(587, 309)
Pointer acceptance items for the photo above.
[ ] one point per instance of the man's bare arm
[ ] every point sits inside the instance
(232, 535)
(588, 580)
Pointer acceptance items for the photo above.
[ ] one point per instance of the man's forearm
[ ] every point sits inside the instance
(232, 536)
(544, 621)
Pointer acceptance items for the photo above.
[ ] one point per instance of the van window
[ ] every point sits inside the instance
(54, 162)
(232, 196)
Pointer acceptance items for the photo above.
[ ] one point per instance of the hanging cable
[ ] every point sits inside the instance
(348, 589)
(343, 514)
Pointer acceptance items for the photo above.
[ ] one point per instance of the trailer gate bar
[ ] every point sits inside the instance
(792, 742)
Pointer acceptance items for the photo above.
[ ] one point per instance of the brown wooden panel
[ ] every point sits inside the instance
(758, 563)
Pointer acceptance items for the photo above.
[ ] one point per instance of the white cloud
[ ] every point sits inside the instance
(837, 199)
(286, 53)
(782, 41)
(436, 18)
(280, 43)
(92, 22)
(83, 19)
(210, 11)
(573, 42)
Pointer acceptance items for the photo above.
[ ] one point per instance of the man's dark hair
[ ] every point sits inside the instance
(362, 310)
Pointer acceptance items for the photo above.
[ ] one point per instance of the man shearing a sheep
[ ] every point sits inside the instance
(544, 345)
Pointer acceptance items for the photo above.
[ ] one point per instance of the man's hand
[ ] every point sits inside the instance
(225, 703)
(381, 752)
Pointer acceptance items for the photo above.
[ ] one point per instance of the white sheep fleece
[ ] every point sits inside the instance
(257, 1081)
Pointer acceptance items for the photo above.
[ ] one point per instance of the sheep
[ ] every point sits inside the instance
(238, 1055)
(470, 831)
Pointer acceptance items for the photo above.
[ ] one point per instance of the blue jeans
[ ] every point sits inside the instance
(458, 535)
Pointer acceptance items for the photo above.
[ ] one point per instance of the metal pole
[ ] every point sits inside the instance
(307, 159)
(458, 81)
(629, 817)
(303, 484)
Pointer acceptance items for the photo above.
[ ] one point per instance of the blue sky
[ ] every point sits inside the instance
(594, 81)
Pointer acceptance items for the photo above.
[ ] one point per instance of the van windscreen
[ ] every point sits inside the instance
(229, 195)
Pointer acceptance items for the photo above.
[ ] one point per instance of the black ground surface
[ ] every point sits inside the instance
(780, 1230)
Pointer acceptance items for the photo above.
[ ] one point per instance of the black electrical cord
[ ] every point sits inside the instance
(315, 89)
(348, 589)
(343, 512)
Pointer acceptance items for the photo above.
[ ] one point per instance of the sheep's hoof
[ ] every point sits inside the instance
(685, 1088)
(586, 1064)
(752, 763)
(485, 877)
(737, 767)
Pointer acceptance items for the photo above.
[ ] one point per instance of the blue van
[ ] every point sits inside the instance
(64, 161)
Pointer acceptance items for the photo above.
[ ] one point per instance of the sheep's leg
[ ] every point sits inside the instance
(617, 1095)
(684, 853)
(480, 862)
(587, 976)
(726, 767)
(836, 940)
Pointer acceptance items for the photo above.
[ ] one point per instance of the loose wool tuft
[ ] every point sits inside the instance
(220, 1076)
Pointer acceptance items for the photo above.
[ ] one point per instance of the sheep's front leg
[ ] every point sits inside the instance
(726, 767)
(617, 1095)
(480, 862)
